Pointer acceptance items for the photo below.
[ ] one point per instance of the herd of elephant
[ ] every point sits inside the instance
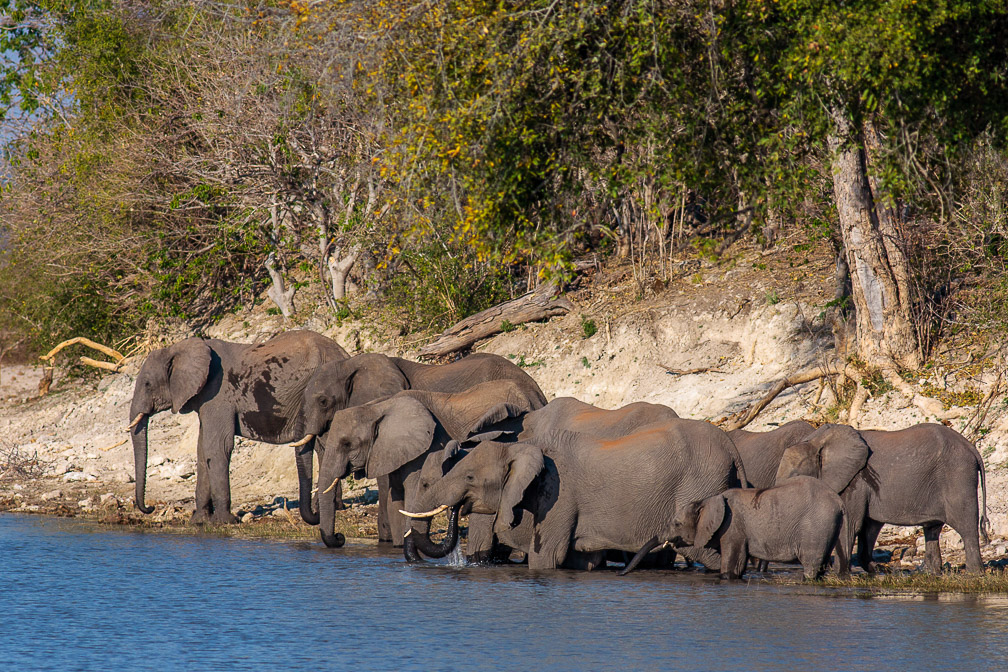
(566, 483)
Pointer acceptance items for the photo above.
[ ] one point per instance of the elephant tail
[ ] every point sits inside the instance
(984, 520)
(737, 459)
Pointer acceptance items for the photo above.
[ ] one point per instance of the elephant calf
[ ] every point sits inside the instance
(799, 519)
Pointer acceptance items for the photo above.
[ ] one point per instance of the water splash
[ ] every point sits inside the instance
(457, 558)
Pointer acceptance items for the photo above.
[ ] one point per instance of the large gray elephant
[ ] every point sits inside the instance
(397, 437)
(800, 519)
(368, 377)
(255, 391)
(565, 497)
(925, 475)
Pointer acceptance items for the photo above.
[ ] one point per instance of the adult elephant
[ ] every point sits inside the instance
(580, 495)
(255, 391)
(397, 437)
(364, 378)
(761, 452)
(925, 475)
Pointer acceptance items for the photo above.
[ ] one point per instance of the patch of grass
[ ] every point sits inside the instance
(525, 365)
(506, 326)
(588, 327)
(876, 384)
(772, 297)
(966, 397)
(584, 363)
(920, 582)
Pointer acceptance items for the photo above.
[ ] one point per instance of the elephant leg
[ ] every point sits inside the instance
(932, 548)
(967, 524)
(397, 522)
(480, 543)
(384, 531)
(734, 558)
(843, 557)
(217, 441)
(866, 544)
(204, 506)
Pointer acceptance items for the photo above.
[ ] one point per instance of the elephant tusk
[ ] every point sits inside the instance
(306, 439)
(136, 421)
(331, 486)
(426, 514)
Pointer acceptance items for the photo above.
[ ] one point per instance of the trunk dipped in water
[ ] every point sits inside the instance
(418, 540)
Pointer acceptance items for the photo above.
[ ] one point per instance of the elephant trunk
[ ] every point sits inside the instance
(327, 509)
(138, 432)
(303, 458)
(420, 540)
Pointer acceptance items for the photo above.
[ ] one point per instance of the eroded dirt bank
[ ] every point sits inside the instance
(66, 452)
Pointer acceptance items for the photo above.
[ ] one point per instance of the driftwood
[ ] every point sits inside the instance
(744, 417)
(50, 360)
(690, 372)
(538, 304)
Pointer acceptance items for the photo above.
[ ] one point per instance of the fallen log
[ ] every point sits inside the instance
(539, 304)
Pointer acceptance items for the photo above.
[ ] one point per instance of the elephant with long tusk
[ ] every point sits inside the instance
(397, 439)
(341, 385)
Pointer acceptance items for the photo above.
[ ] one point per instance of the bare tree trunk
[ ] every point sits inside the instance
(885, 332)
(339, 268)
(278, 292)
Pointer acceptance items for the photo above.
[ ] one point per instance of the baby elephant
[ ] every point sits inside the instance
(800, 519)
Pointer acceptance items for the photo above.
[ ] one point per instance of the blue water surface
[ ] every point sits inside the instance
(78, 596)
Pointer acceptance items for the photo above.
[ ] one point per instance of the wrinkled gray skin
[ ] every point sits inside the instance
(761, 452)
(569, 497)
(925, 475)
(800, 519)
(351, 382)
(255, 391)
(396, 437)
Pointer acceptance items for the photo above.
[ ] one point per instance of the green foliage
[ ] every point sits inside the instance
(436, 286)
(588, 328)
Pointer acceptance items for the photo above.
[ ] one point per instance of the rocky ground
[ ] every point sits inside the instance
(739, 326)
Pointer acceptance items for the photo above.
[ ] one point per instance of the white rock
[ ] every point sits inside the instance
(52, 494)
(1001, 549)
(74, 476)
(108, 498)
(247, 517)
(18, 486)
(86, 503)
(156, 461)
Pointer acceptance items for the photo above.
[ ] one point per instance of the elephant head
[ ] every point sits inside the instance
(349, 382)
(379, 437)
(833, 453)
(169, 378)
(696, 523)
(491, 478)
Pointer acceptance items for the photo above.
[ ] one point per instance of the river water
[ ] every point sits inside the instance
(80, 596)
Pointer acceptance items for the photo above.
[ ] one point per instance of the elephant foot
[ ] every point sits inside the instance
(199, 517)
(225, 518)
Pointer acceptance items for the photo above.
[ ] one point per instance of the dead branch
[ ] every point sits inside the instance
(50, 360)
(744, 417)
(83, 341)
(538, 304)
(690, 372)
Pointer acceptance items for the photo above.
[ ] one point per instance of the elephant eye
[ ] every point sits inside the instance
(323, 402)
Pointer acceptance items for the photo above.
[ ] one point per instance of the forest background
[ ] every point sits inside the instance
(164, 158)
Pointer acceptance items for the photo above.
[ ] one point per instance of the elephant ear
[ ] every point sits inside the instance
(371, 377)
(524, 462)
(842, 454)
(451, 454)
(403, 430)
(712, 514)
(188, 369)
(498, 413)
(800, 459)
